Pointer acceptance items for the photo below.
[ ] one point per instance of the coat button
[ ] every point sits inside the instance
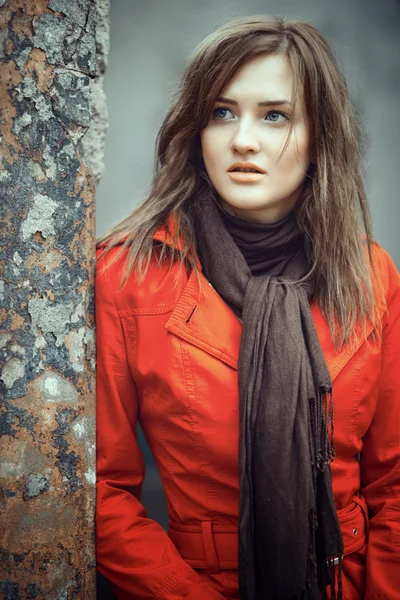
(354, 531)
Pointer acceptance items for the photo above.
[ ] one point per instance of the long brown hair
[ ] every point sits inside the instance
(333, 207)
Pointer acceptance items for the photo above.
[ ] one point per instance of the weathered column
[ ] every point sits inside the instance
(52, 127)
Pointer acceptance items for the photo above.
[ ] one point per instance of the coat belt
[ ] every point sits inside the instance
(215, 547)
(206, 546)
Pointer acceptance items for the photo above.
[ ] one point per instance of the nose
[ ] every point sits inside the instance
(245, 139)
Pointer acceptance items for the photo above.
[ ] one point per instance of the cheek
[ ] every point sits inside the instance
(209, 148)
(296, 156)
(206, 141)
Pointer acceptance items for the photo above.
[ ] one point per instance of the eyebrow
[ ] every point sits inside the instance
(264, 103)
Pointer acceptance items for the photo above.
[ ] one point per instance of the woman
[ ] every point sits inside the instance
(269, 398)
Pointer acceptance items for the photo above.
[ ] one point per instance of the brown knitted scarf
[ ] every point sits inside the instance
(288, 528)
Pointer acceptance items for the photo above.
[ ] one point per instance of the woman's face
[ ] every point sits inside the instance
(249, 124)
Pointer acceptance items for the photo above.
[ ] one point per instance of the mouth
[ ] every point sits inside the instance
(245, 172)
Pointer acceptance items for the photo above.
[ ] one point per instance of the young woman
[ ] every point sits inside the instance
(250, 323)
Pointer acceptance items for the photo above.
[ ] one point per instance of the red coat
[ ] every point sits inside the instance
(168, 358)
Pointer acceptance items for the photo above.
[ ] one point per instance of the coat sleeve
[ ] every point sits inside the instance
(133, 552)
(380, 461)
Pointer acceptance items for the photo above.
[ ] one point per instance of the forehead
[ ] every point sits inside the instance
(267, 77)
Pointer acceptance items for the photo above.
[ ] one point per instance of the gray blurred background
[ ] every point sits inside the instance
(149, 45)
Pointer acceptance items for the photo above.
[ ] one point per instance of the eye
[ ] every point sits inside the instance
(275, 114)
(220, 113)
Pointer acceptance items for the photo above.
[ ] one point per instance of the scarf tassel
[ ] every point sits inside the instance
(335, 578)
(321, 438)
(321, 432)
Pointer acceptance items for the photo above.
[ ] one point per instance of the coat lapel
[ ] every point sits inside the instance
(206, 321)
(335, 360)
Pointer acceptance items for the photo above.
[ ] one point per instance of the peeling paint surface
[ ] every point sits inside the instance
(36, 484)
(13, 370)
(50, 71)
(39, 217)
(54, 388)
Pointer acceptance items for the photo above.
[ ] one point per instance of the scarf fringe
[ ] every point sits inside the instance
(321, 431)
(327, 402)
(321, 438)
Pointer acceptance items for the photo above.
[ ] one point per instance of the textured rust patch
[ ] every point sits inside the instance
(23, 12)
(17, 322)
(37, 65)
(46, 259)
(9, 78)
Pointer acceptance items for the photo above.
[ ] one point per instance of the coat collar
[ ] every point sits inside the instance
(202, 318)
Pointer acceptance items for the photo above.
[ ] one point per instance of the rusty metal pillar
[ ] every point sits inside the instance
(52, 127)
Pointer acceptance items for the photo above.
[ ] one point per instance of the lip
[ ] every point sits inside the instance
(245, 177)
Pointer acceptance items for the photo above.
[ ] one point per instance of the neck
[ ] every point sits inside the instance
(242, 220)
(270, 214)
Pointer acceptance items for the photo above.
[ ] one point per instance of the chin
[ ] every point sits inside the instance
(248, 203)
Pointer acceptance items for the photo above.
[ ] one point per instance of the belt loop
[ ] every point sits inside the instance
(209, 547)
